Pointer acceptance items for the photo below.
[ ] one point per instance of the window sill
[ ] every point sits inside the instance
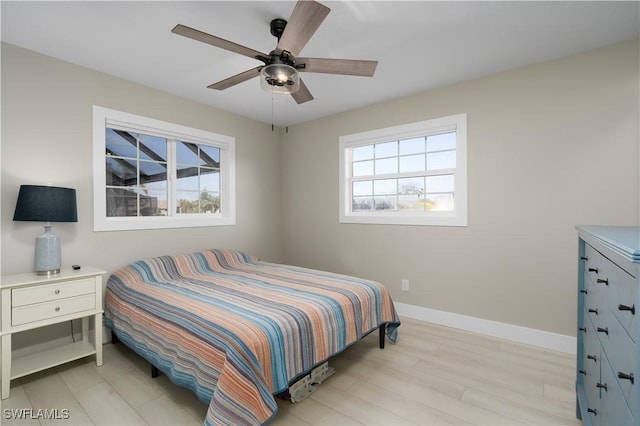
(161, 222)
(434, 219)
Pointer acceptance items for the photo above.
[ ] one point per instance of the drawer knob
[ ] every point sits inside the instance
(582, 372)
(57, 291)
(584, 291)
(585, 258)
(602, 386)
(57, 308)
(603, 281)
(624, 376)
(582, 329)
(592, 411)
(593, 357)
(631, 308)
(593, 311)
(604, 330)
(593, 270)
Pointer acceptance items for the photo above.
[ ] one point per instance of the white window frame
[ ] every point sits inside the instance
(458, 217)
(102, 117)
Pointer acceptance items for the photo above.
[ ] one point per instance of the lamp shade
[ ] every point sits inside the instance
(46, 204)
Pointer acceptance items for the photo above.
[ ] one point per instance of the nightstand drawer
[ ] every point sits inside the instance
(42, 311)
(50, 292)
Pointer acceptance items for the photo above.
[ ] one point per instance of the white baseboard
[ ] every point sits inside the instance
(515, 333)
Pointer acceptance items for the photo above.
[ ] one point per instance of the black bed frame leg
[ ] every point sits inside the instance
(154, 370)
(382, 329)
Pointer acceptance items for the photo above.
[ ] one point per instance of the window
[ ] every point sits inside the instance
(413, 174)
(153, 174)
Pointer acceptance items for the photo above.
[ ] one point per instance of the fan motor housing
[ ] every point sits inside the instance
(277, 27)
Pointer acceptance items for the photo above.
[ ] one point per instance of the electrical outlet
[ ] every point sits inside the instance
(405, 284)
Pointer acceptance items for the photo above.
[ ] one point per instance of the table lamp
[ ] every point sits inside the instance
(46, 204)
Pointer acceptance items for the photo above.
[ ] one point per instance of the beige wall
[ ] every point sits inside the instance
(549, 146)
(47, 138)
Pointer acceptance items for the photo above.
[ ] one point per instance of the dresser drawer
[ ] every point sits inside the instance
(49, 292)
(595, 264)
(46, 310)
(592, 301)
(613, 407)
(591, 370)
(591, 354)
(622, 300)
(622, 354)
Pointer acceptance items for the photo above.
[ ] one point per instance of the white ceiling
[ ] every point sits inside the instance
(420, 45)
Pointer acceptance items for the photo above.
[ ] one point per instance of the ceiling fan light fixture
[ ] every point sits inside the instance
(279, 74)
(280, 79)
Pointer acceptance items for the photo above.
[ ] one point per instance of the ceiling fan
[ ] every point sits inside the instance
(279, 71)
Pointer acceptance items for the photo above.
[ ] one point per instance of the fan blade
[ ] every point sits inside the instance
(236, 79)
(198, 35)
(303, 23)
(302, 95)
(338, 66)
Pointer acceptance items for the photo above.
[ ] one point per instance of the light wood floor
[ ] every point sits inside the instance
(433, 376)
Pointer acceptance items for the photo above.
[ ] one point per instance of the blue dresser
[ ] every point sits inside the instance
(608, 364)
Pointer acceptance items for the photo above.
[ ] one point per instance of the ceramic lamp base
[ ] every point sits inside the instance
(47, 257)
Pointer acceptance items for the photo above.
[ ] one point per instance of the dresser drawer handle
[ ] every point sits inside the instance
(631, 309)
(57, 308)
(592, 411)
(604, 330)
(593, 270)
(593, 357)
(57, 291)
(582, 372)
(585, 258)
(603, 281)
(624, 376)
(593, 311)
(584, 291)
(582, 329)
(602, 386)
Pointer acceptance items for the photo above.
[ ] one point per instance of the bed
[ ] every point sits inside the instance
(236, 330)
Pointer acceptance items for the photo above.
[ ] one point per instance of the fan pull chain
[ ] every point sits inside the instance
(286, 114)
(272, 126)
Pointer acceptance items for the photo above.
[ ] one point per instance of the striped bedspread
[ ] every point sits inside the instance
(236, 330)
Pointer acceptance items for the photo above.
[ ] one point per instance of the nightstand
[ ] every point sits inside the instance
(29, 301)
